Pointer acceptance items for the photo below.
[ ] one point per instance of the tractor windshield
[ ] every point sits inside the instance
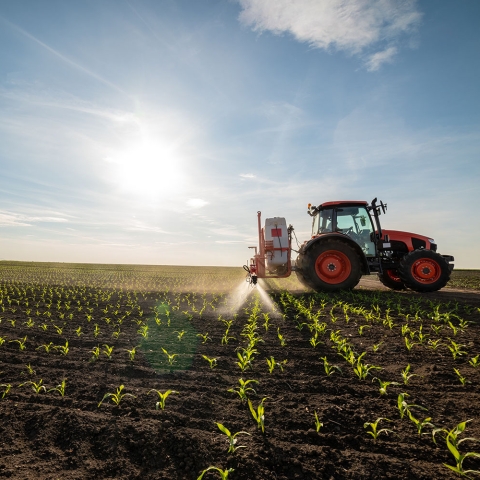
(356, 223)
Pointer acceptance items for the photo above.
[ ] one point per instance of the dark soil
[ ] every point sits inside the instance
(46, 436)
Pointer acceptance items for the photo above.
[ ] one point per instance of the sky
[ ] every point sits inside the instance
(151, 132)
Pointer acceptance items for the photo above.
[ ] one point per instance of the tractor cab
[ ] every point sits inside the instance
(351, 218)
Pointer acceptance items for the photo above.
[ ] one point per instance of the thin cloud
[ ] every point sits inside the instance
(196, 203)
(377, 59)
(63, 57)
(353, 26)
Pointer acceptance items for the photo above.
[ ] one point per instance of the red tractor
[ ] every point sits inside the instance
(348, 242)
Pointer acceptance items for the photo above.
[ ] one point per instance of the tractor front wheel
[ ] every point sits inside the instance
(329, 266)
(424, 271)
(390, 278)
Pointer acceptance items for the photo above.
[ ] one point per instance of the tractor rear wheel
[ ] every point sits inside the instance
(329, 266)
(424, 271)
(390, 279)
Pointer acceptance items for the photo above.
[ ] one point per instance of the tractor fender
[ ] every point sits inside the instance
(338, 237)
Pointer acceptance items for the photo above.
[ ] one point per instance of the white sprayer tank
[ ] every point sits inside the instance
(276, 237)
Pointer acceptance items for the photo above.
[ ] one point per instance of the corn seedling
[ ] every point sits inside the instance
(474, 361)
(409, 344)
(170, 357)
(180, 334)
(96, 331)
(459, 458)
(436, 328)
(60, 388)
(2, 341)
(143, 331)
(211, 361)
(132, 353)
(108, 351)
(116, 397)
(258, 414)
(362, 370)
(243, 389)
(461, 378)
(21, 343)
(403, 406)
(223, 473)
(420, 424)
(6, 388)
(231, 438)
(30, 370)
(63, 348)
(384, 385)
(95, 353)
(456, 349)
(162, 397)
(58, 329)
(318, 423)
(434, 344)
(376, 347)
(282, 339)
(453, 434)
(406, 375)
(79, 332)
(361, 328)
(36, 387)
(374, 431)
(204, 337)
(329, 368)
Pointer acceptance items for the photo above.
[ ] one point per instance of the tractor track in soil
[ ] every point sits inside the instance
(47, 436)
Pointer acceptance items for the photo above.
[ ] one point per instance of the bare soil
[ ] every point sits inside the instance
(47, 436)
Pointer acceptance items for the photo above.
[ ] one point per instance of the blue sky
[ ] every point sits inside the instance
(151, 132)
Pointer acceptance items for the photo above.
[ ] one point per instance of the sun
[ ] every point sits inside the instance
(150, 168)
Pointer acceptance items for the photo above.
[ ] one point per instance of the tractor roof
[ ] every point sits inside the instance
(343, 202)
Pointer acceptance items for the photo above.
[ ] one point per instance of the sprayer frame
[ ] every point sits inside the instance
(257, 263)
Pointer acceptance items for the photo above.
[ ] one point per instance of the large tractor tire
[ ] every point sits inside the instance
(329, 266)
(424, 271)
(390, 279)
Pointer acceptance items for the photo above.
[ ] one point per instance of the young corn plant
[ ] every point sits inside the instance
(461, 378)
(243, 389)
(170, 357)
(231, 438)
(329, 368)
(456, 349)
(453, 434)
(180, 334)
(376, 347)
(6, 389)
(132, 353)
(21, 343)
(108, 351)
(116, 397)
(60, 388)
(223, 473)
(63, 348)
(384, 385)
(374, 430)
(258, 414)
(36, 387)
(162, 397)
(459, 459)
(30, 370)
(281, 338)
(95, 353)
(318, 423)
(404, 407)
(212, 361)
(362, 370)
(420, 424)
(406, 375)
(409, 344)
(474, 361)
(204, 337)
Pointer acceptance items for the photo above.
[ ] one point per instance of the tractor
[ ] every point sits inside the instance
(348, 242)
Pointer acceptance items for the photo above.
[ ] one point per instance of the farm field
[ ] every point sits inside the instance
(135, 372)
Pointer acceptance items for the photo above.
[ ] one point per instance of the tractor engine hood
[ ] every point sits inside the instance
(413, 241)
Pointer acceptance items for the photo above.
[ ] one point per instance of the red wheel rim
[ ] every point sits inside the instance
(392, 275)
(333, 267)
(426, 270)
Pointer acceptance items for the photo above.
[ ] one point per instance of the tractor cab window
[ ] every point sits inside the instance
(322, 222)
(356, 223)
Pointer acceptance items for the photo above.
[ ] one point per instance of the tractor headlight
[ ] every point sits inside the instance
(431, 240)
